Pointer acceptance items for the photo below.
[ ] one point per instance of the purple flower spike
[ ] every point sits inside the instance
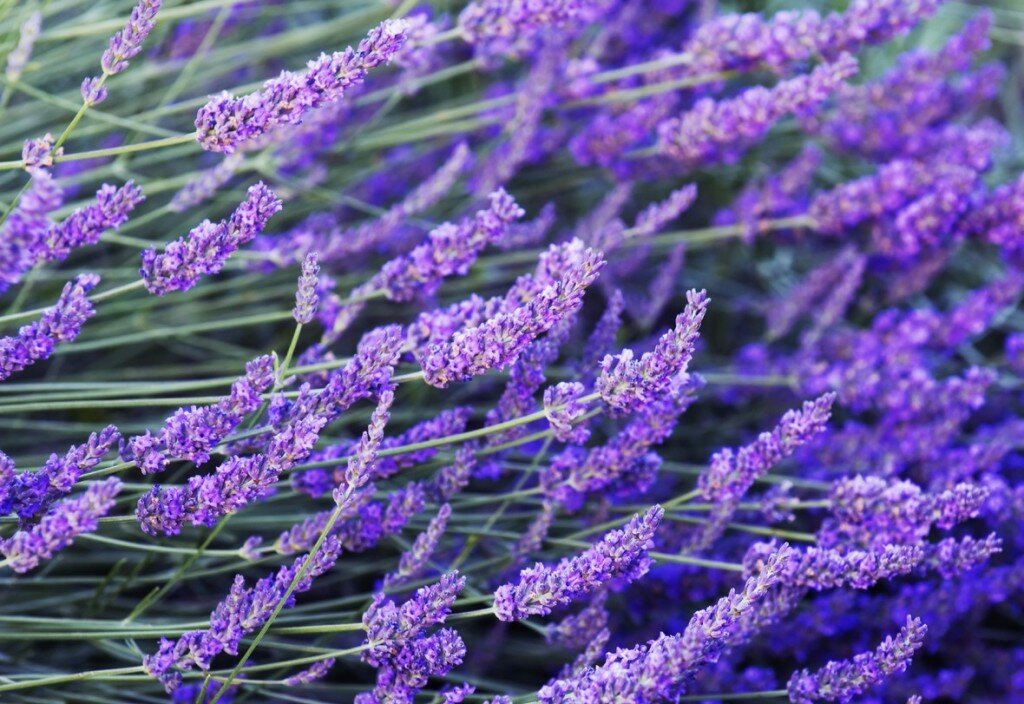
(32, 493)
(498, 341)
(127, 43)
(563, 410)
(621, 555)
(306, 294)
(842, 680)
(29, 238)
(316, 671)
(719, 131)
(655, 216)
(659, 671)
(243, 611)
(28, 547)
(227, 123)
(449, 249)
(193, 433)
(62, 323)
(627, 384)
(206, 248)
(731, 473)
(415, 559)
(405, 655)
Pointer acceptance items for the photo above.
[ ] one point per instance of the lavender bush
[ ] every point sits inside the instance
(511, 351)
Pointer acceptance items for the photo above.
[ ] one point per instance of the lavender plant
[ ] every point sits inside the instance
(508, 351)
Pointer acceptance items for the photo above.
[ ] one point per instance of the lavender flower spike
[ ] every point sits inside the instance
(659, 670)
(193, 433)
(227, 123)
(563, 410)
(627, 384)
(27, 548)
(306, 293)
(731, 473)
(84, 226)
(449, 249)
(719, 131)
(841, 681)
(32, 493)
(208, 245)
(127, 43)
(414, 559)
(62, 323)
(620, 554)
(499, 340)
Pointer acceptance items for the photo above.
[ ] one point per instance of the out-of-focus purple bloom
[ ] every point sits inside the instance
(602, 337)
(515, 27)
(1015, 352)
(578, 630)
(781, 314)
(205, 249)
(193, 433)
(954, 158)
(415, 558)
(655, 216)
(32, 493)
(884, 117)
(719, 131)
(244, 610)
(227, 123)
(306, 294)
(321, 232)
(453, 478)
(842, 680)
(781, 193)
(21, 237)
(498, 341)
(61, 323)
(660, 670)
(20, 54)
(93, 90)
(205, 184)
(524, 124)
(621, 555)
(627, 384)
(449, 249)
(58, 528)
(750, 40)
(316, 671)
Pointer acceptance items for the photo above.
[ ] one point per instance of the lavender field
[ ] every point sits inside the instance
(511, 351)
